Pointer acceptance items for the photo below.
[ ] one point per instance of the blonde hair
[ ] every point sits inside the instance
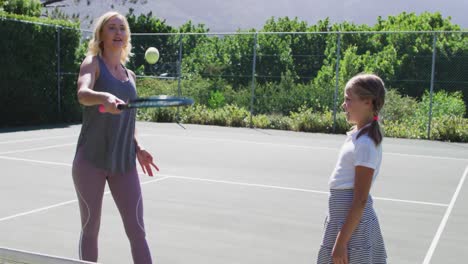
(95, 44)
(370, 86)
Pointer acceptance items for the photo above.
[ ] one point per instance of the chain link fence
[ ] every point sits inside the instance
(275, 73)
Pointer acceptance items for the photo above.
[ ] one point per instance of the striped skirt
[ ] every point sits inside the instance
(366, 245)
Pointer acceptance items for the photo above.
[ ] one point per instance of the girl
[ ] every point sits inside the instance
(352, 232)
(107, 148)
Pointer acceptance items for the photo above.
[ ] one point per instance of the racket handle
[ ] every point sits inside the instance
(102, 109)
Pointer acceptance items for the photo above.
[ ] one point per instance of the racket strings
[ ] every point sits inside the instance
(159, 102)
(156, 103)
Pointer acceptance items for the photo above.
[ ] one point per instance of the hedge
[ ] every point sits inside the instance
(28, 70)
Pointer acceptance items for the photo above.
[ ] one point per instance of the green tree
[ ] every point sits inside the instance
(415, 49)
(22, 7)
(190, 42)
(239, 58)
(403, 59)
(166, 44)
(299, 54)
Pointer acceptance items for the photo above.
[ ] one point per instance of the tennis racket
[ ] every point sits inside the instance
(153, 101)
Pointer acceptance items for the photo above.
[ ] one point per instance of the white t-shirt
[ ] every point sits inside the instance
(355, 152)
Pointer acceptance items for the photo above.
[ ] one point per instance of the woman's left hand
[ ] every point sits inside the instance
(340, 254)
(146, 161)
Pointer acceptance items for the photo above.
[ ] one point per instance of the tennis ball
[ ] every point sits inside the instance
(152, 55)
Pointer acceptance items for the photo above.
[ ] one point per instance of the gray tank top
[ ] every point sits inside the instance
(107, 140)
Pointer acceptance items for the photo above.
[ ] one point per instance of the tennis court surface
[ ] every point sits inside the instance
(234, 195)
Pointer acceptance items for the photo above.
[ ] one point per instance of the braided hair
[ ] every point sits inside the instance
(370, 86)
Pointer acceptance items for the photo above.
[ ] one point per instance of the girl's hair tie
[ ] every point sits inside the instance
(376, 118)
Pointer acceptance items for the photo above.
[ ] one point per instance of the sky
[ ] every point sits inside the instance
(228, 16)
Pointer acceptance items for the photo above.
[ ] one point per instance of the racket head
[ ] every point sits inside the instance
(158, 101)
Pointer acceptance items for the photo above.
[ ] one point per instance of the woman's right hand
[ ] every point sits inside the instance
(110, 104)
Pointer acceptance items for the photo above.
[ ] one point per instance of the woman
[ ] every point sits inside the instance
(107, 148)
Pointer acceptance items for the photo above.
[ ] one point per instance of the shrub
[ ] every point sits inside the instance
(398, 107)
(403, 129)
(261, 121)
(450, 128)
(148, 86)
(280, 122)
(197, 114)
(403, 116)
(443, 104)
(216, 100)
(26, 79)
(235, 116)
(308, 121)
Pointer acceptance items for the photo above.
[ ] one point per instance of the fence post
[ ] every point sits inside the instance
(179, 66)
(254, 61)
(179, 73)
(434, 41)
(58, 73)
(337, 81)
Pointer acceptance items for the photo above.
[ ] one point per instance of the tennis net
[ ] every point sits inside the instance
(14, 256)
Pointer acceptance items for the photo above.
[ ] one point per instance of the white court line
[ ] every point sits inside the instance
(241, 141)
(410, 201)
(246, 184)
(36, 161)
(298, 189)
(155, 180)
(424, 156)
(241, 183)
(296, 146)
(37, 210)
(34, 139)
(34, 149)
(64, 203)
(443, 223)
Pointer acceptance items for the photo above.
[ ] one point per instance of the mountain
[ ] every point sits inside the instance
(228, 16)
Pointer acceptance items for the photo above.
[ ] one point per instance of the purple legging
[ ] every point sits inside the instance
(125, 188)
